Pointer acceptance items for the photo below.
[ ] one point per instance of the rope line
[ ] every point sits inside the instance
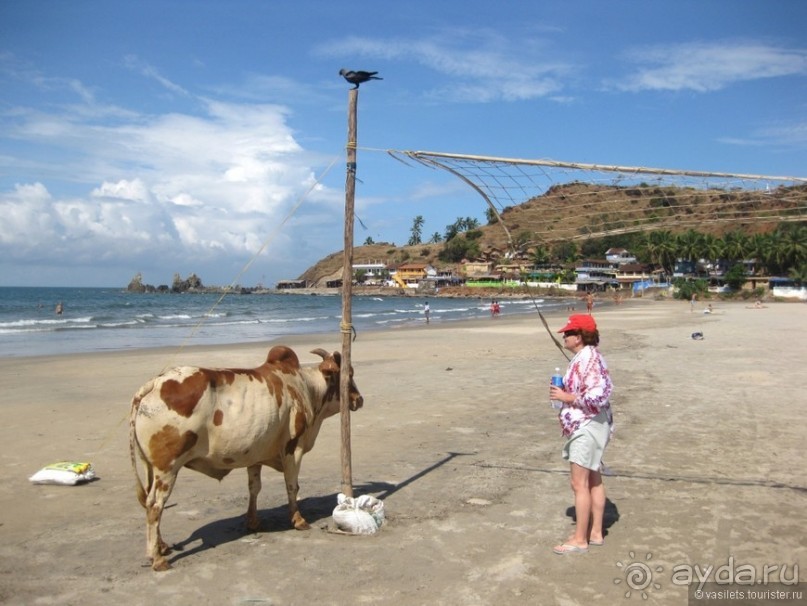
(418, 155)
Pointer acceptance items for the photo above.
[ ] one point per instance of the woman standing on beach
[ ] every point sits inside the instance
(587, 423)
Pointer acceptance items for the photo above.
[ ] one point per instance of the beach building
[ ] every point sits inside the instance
(637, 277)
(472, 269)
(619, 256)
(409, 275)
(371, 273)
(595, 275)
(291, 284)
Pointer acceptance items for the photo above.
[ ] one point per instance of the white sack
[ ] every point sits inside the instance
(363, 515)
(65, 472)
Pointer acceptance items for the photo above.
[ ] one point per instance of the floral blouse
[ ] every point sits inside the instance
(588, 378)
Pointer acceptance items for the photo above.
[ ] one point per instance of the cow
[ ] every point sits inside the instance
(217, 420)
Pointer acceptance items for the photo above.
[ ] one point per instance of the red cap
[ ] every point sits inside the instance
(580, 322)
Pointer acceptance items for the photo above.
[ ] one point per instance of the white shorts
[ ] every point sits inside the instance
(586, 446)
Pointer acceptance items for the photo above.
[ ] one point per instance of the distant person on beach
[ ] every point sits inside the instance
(426, 311)
(589, 303)
(59, 308)
(587, 424)
(692, 302)
(494, 308)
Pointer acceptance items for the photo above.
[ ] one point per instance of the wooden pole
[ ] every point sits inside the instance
(347, 292)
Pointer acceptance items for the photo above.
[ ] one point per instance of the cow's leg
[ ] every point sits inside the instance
(158, 494)
(291, 471)
(254, 481)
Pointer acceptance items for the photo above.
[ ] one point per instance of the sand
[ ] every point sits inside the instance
(458, 439)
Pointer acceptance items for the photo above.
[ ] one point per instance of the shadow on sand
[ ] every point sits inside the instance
(276, 519)
(609, 518)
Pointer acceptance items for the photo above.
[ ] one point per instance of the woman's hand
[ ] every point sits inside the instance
(557, 393)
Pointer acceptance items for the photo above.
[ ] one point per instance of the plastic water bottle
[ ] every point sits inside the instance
(557, 381)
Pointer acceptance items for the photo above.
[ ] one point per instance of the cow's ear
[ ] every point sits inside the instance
(338, 359)
(329, 366)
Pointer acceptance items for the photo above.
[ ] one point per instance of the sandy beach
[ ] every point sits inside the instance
(457, 438)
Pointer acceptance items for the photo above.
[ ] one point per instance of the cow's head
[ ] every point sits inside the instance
(330, 368)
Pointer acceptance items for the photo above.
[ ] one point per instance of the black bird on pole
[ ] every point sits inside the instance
(358, 77)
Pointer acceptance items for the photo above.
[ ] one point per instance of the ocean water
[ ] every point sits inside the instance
(111, 319)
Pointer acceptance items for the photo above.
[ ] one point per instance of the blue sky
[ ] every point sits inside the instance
(203, 136)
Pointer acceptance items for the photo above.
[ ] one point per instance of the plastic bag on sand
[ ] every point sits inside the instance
(362, 515)
(67, 473)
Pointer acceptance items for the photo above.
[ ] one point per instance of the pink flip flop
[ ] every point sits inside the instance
(566, 548)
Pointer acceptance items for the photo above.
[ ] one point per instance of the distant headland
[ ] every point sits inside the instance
(191, 284)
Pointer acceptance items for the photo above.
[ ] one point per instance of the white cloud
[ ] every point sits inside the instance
(428, 190)
(704, 67)
(24, 211)
(784, 136)
(149, 71)
(175, 192)
(128, 190)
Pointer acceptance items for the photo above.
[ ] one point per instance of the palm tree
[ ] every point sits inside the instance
(792, 245)
(736, 246)
(565, 251)
(798, 274)
(779, 253)
(759, 246)
(781, 250)
(540, 256)
(644, 248)
(468, 223)
(660, 247)
(689, 245)
(711, 249)
(416, 231)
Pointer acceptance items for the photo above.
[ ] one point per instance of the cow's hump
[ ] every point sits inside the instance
(280, 355)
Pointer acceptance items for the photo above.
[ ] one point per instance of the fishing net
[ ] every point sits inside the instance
(608, 200)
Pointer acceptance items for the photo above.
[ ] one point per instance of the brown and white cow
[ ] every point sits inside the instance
(217, 420)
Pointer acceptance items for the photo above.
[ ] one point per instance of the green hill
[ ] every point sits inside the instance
(597, 218)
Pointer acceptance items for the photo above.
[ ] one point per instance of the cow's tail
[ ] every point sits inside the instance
(135, 451)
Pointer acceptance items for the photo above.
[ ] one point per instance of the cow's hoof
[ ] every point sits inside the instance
(161, 565)
(299, 522)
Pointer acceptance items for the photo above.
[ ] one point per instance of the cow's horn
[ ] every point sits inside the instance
(321, 352)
